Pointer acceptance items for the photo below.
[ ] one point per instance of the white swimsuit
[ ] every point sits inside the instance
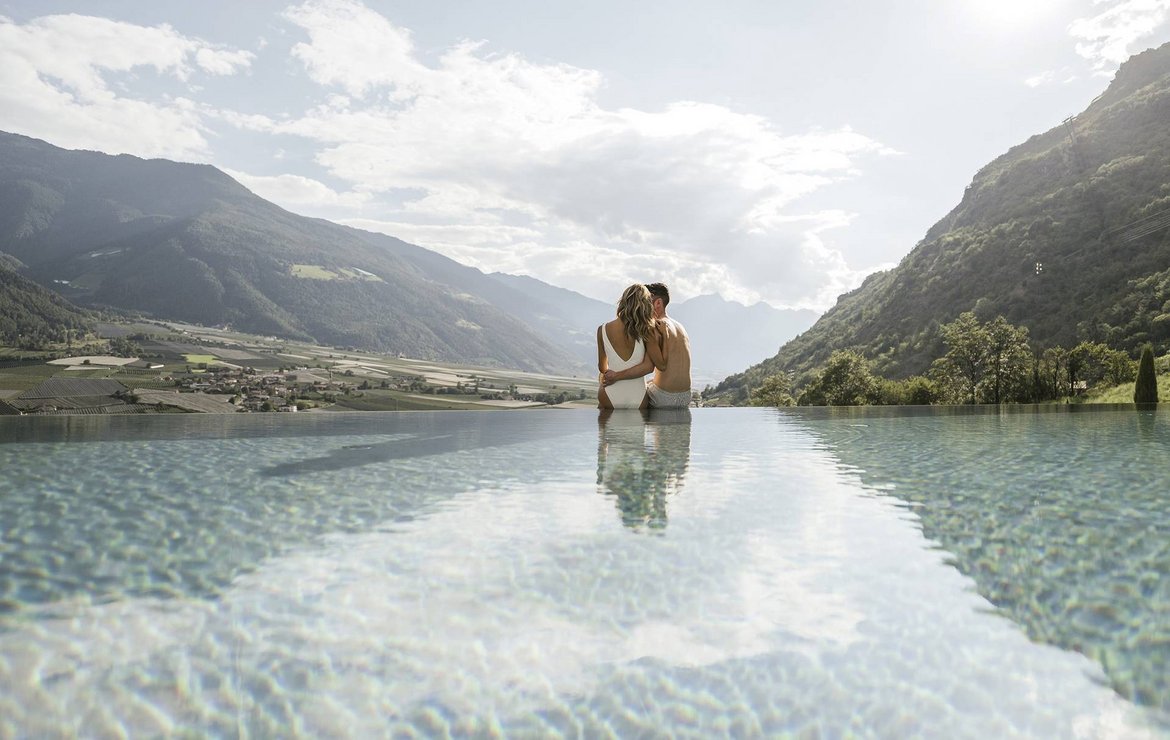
(624, 394)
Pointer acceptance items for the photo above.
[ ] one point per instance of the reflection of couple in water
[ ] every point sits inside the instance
(642, 458)
(642, 455)
(643, 339)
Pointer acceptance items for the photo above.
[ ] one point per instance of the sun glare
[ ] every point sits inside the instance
(1010, 14)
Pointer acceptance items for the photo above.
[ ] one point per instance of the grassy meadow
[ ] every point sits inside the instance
(1124, 393)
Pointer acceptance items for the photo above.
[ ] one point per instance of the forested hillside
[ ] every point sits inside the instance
(31, 316)
(1066, 235)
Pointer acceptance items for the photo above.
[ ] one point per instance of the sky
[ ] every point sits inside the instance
(773, 151)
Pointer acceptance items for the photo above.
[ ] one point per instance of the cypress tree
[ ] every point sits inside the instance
(1145, 389)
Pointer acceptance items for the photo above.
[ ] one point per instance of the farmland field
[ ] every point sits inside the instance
(195, 359)
(320, 272)
(348, 380)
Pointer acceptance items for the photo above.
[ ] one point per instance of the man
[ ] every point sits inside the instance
(671, 386)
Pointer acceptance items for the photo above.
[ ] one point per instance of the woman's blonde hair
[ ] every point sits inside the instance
(635, 309)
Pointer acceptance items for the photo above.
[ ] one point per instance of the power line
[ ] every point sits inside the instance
(1145, 226)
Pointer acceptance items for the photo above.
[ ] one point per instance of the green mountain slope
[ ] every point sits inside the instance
(1067, 234)
(187, 242)
(30, 313)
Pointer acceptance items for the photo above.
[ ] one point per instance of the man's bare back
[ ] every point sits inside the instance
(675, 376)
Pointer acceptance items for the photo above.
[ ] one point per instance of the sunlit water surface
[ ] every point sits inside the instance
(748, 572)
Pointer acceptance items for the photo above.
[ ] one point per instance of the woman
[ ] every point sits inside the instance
(621, 344)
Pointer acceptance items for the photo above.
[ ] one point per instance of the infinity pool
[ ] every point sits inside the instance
(742, 572)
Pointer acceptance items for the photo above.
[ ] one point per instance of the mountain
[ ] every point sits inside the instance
(1067, 234)
(186, 242)
(29, 312)
(726, 335)
(561, 316)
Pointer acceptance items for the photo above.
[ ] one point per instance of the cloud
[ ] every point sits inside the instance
(704, 196)
(1043, 78)
(493, 159)
(55, 83)
(223, 61)
(449, 235)
(1108, 38)
(296, 190)
(354, 47)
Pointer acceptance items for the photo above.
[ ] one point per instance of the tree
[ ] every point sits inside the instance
(989, 360)
(1008, 358)
(966, 358)
(919, 391)
(890, 392)
(124, 347)
(1118, 367)
(845, 380)
(1052, 370)
(1145, 388)
(774, 391)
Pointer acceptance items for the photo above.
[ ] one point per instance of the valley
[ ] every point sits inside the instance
(178, 367)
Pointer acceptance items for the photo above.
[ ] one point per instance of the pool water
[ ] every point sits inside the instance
(746, 572)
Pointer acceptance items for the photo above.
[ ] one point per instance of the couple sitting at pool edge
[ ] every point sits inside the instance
(643, 339)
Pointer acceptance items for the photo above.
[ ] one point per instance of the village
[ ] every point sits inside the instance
(194, 372)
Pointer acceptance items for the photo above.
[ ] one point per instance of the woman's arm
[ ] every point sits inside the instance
(603, 401)
(602, 360)
(655, 358)
(645, 367)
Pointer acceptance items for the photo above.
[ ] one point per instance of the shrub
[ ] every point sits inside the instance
(919, 391)
(774, 391)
